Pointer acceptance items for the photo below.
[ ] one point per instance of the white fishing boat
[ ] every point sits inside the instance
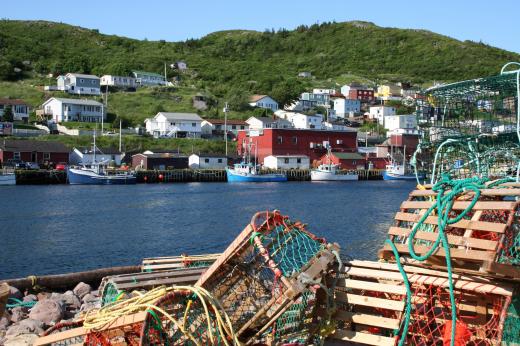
(7, 178)
(396, 170)
(331, 172)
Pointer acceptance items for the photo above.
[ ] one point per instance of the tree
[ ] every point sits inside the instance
(8, 114)
(124, 122)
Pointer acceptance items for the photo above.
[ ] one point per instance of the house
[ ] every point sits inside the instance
(287, 162)
(380, 112)
(301, 105)
(215, 127)
(159, 161)
(358, 92)
(311, 143)
(305, 74)
(85, 156)
(334, 126)
(259, 123)
(19, 108)
(179, 125)
(207, 161)
(401, 124)
(79, 84)
(143, 78)
(6, 129)
(346, 160)
(345, 108)
(181, 66)
(63, 110)
(263, 101)
(301, 121)
(45, 153)
(320, 99)
(389, 92)
(118, 81)
(319, 91)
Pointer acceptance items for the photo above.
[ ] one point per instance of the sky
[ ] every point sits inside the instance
(492, 22)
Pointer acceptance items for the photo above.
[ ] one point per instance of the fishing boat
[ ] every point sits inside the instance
(7, 178)
(400, 171)
(249, 171)
(98, 174)
(331, 172)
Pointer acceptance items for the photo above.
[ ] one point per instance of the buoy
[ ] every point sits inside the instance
(160, 177)
(145, 178)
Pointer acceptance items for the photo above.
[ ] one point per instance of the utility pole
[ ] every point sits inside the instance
(120, 134)
(225, 126)
(165, 78)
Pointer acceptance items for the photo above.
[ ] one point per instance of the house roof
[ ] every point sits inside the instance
(162, 155)
(32, 145)
(83, 102)
(256, 98)
(91, 76)
(347, 156)
(289, 156)
(180, 116)
(229, 121)
(106, 151)
(211, 155)
(148, 73)
(4, 101)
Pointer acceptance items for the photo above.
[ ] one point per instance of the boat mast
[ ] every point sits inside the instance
(404, 159)
(94, 160)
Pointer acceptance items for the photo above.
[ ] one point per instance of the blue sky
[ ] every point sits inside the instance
(493, 22)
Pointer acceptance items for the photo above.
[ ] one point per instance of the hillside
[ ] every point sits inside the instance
(229, 65)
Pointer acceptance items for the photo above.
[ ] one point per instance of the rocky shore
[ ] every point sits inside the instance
(22, 324)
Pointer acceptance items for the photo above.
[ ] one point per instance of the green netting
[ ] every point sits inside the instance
(110, 294)
(511, 330)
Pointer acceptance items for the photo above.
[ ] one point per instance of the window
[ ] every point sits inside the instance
(279, 140)
(81, 80)
(219, 160)
(46, 156)
(233, 127)
(16, 155)
(193, 124)
(298, 160)
(242, 127)
(286, 160)
(206, 160)
(295, 140)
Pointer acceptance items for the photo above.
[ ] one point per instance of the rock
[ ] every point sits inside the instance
(43, 295)
(33, 325)
(18, 313)
(95, 293)
(71, 301)
(15, 293)
(30, 298)
(82, 289)
(90, 298)
(4, 323)
(25, 327)
(21, 340)
(48, 311)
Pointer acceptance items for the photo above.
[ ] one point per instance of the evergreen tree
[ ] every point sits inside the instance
(8, 114)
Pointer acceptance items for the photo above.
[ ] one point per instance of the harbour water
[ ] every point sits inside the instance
(63, 228)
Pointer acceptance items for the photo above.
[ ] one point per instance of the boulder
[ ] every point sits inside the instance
(15, 293)
(18, 313)
(4, 323)
(82, 289)
(30, 298)
(90, 298)
(48, 311)
(25, 327)
(21, 340)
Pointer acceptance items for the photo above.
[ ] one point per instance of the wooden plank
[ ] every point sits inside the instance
(471, 255)
(468, 242)
(369, 320)
(371, 286)
(501, 269)
(468, 224)
(484, 192)
(150, 283)
(461, 205)
(159, 275)
(469, 232)
(175, 259)
(369, 301)
(362, 338)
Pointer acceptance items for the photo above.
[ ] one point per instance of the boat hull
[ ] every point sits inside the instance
(233, 177)
(393, 176)
(7, 179)
(79, 177)
(329, 176)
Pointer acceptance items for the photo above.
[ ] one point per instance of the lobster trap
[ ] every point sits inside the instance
(371, 308)
(155, 264)
(471, 127)
(485, 241)
(263, 278)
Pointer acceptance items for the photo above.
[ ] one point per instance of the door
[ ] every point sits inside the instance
(34, 156)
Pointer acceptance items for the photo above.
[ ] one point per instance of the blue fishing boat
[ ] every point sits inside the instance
(247, 172)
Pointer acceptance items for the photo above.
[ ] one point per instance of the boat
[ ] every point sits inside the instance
(331, 172)
(400, 171)
(248, 171)
(97, 174)
(7, 178)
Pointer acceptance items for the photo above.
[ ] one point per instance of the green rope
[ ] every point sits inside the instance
(18, 302)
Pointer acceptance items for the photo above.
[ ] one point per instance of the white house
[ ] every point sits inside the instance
(394, 122)
(62, 110)
(19, 108)
(207, 161)
(79, 84)
(174, 125)
(263, 101)
(259, 123)
(143, 78)
(85, 156)
(181, 65)
(287, 162)
(380, 112)
(333, 126)
(301, 121)
(344, 108)
(118, 81)
(324, 91)
(215, 127)
(305, 74)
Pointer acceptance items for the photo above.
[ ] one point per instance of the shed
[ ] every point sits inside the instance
(207, 161)
(159, 161)
(346, 160)
(287, 162)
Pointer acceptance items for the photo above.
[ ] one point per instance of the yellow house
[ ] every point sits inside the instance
(388, 90)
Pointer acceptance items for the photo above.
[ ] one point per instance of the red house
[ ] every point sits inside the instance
(345, 160)
(41, 152)
(364, 95)
(312, 143)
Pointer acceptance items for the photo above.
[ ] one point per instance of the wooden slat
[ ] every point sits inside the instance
(452, 239)
(468, 224)
(370, 301)
(362, 338)
(159, 275)
(484, 192)
(150, 283)
(472, 255)
(461, 205)
(371, 286)
(369, 320)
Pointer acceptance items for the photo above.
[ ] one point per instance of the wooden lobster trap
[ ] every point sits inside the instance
(4, 295)
(371, 306)
(155, 264)
(486, 241)
(265, 271)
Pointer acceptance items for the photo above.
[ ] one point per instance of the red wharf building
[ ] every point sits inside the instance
(41, 152)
